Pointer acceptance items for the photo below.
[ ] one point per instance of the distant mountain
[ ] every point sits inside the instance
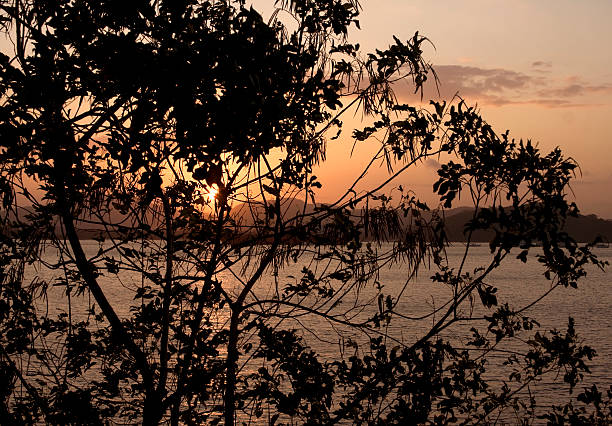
(585, 228)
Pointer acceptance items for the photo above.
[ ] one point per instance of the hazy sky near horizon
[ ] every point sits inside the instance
(540, 68)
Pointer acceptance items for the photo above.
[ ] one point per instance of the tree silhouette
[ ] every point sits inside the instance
(119, 119)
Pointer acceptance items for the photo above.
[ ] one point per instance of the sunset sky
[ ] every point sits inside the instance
(542, 69)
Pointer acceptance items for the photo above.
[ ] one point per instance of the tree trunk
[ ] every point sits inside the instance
(229, 399)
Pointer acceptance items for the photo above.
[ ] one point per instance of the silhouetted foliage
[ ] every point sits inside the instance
(118, 120)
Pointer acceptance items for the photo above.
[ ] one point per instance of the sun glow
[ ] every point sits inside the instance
(212, 194)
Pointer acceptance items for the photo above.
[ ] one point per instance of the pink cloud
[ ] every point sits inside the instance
(499, 87)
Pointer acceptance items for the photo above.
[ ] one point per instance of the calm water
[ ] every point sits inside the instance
(517, 283)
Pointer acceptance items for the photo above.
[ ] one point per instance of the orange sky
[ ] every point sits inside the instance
(542, 69)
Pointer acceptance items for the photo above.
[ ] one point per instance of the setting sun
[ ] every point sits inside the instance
(212, 193)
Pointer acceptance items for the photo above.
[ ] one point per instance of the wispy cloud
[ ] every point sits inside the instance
(483, 83)
(499, 87)
(541, 66)
(575, 87)
(465, 60)
(432, 164)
